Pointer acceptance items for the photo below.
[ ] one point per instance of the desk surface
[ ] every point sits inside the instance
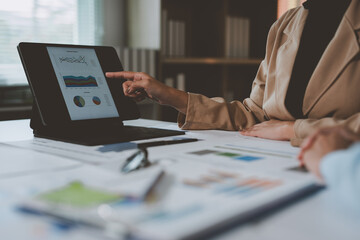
(319, 216)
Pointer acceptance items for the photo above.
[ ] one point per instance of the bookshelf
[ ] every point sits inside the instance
(215, 46)
(212, 61)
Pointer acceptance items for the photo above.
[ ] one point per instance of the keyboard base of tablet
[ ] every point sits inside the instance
(123, 134)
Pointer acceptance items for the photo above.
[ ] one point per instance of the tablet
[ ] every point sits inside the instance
(70, 87)
(74, 101)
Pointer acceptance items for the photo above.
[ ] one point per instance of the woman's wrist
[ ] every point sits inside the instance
(289, 130)
(166, 95)
(179, 100)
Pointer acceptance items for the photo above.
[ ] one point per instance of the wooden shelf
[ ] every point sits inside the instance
(213, 61)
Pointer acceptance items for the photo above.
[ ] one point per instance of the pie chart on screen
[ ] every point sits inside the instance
(79, 101)
(96, 100)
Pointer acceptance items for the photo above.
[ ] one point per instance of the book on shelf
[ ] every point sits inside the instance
(180, 81)
(135, 60)
(228, 39)
(164, 30)
(169, 82)
(182, 39)
(126, 59)
(143, 60)
(247, 37)
(152, 63)
(138, 60)
(173, 35)
(171, 38)
(237, 37)
(176, 82)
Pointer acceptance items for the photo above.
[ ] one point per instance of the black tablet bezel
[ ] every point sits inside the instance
(47, 93)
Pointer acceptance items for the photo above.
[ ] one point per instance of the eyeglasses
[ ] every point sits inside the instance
(136, 161)
(140, 158)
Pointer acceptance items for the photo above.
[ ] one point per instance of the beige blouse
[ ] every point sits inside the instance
(332, 96)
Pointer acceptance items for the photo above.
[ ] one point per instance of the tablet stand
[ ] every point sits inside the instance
(64, 133)
(115, 132)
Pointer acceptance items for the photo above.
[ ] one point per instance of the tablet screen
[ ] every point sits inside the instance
(82, 83)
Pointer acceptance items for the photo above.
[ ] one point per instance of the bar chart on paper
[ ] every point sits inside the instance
(205, 194)
(230, 155)
(245, 154)
(231, 184)
(241, 153)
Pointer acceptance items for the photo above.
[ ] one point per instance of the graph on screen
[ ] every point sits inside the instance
(96, 100)
(80, 81)
(79, 101)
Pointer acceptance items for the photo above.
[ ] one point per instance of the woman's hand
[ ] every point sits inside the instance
(273, 129)
(323, 142)
(140, 86)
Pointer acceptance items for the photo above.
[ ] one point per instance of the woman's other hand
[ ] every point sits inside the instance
(321, 143)
(273, 129)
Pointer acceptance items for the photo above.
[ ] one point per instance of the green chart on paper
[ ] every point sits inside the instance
(240, 153)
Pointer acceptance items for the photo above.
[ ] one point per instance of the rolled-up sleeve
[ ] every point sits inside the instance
(216, 113)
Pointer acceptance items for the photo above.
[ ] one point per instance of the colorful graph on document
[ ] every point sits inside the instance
(220, 182)
(80, 81)
(234, 156)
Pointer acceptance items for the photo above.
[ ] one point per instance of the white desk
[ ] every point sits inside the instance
(318, 216)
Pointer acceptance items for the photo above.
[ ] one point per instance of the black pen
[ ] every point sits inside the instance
(165, 142)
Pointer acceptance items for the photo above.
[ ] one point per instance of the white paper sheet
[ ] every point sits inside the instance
(103, 154)
(87, 154)
(235, 152)
(17, 162)
(208, 185)
(15, 191)
(201, 196)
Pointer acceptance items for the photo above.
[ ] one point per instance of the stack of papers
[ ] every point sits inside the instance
(205, 187)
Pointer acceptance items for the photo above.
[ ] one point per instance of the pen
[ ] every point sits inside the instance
(165, 142)
(149, 192)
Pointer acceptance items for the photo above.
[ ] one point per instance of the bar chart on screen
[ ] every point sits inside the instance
(80, 81)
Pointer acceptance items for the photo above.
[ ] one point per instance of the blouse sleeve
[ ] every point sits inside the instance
(216, 113)
(304, 127)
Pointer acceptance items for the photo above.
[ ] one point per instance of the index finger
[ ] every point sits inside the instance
(122, 75)
(307, 144)
(309, 141)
